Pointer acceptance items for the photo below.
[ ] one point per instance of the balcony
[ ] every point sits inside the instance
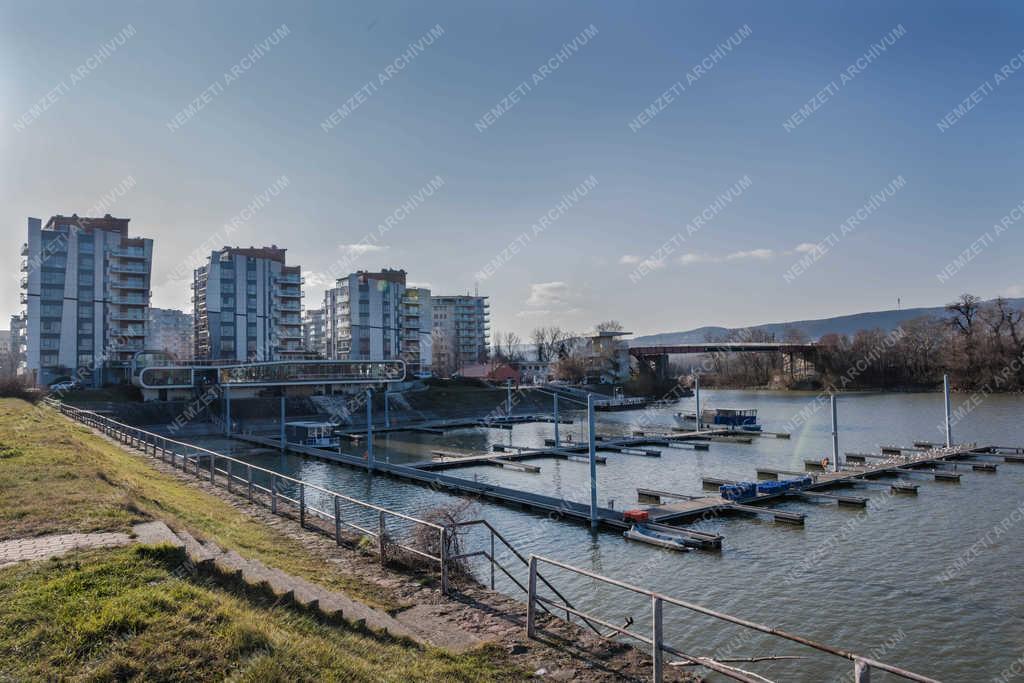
(127, 268)
(128, 300)
(127, 315)
(287, 306)
(127, 346)
(290, 279)
(129, 252)
(24, 248)
(128, 284)
(116, 332)
(288, 320)
(288, 292)
(24, 282)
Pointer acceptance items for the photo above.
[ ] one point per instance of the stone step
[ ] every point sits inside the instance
(197, 552)
(155, 533)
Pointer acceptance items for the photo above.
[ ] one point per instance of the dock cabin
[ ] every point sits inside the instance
(309, 433)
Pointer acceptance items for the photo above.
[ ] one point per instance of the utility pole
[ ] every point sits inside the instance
(369, 430)
(592, 448)
(949, 426)
(835, 436)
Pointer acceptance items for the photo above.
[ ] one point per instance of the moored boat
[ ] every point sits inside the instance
(659, 537)
(721, 418)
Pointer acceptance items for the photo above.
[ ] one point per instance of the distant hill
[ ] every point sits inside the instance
(814, 329)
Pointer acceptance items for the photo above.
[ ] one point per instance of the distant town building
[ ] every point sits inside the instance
(461, 327)
(374, 316)
(606, 357)
(86, 298)
(16, 358)
(314, 339)
(170, 330)
(247, 305)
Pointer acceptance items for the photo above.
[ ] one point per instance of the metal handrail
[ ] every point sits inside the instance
(526, 563)
(862, 664)
(145, 440)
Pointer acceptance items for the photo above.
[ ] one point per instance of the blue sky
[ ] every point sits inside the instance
(571, 125)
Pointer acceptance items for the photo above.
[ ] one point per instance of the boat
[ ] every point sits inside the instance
(664, 538)
(722, 418)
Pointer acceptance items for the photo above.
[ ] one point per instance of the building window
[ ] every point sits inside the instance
(51, 310)
(84, 311)
(53, 293)
(48, 360)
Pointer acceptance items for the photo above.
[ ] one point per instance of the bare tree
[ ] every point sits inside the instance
(609, 326)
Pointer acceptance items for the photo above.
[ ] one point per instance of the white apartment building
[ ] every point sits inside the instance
(313, 332)
(86, 295)
(374, 316)
(170, 330)
(461, 327)
(247, 306)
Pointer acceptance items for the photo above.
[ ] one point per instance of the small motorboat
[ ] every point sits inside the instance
(721, 418)
(663, 538)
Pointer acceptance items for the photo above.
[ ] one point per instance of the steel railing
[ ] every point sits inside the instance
(190, 458)
(656, 640)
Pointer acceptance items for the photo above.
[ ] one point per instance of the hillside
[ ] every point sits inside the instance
(814, 329)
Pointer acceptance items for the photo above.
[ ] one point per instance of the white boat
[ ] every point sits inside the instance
(665, 539)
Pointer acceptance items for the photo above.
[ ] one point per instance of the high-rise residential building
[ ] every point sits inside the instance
(170, 330)
(417, 328)
(374, 316)
(86, 296)
(313, 328)
(461, 326)
(247, 306)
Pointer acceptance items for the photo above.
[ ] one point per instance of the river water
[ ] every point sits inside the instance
(931, 582)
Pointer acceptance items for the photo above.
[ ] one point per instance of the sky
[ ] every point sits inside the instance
(665, 164)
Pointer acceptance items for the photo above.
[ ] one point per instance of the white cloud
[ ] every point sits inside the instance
(419, 285)
(1014, 291)
(760, 254)
(629, 260)
(358, 249)
(535, 313)
(317, 279)
(548, 294)
(806, 247)
(687, 259)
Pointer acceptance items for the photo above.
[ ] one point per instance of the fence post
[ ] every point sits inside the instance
(229, 475)
(443, 555)
(248, 476)
(492, 559)
(302, 506)
(381, 533)
(337, 520)
(657, 639)
(531, 600)
(213, 467)
(273, 493)
(861, 671)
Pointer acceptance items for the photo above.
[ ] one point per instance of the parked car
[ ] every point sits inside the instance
(61, 387)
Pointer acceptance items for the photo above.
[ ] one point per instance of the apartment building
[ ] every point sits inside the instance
(461, 326)
(170, 330)
(247, 305)
(86, 295)
(313, 332)
(375, 316)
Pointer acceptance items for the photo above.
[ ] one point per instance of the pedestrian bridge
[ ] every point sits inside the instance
(163, 373)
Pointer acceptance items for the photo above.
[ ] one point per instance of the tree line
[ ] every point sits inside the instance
(979, 344)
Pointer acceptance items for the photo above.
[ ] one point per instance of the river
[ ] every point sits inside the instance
(930, 582)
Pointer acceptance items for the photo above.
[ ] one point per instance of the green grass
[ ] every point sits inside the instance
(64, 478)
(127, 615)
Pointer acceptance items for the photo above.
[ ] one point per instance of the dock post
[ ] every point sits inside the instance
(949, 427)
(508, 397)
(369, 429)
(696, 395)
(282, 420)
(835, 435)
(227, 410)
(592, 449)
(657, 639)
(387, 412)
(861, 671)
(556, 421)
(531, 601)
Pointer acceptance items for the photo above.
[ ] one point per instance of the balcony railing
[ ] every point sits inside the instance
(128, 284)
(126, 315)
(128, 268)
(128, 252)
(128, 300)
(287, 306)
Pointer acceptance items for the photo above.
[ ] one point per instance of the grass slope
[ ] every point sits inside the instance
(127, 615)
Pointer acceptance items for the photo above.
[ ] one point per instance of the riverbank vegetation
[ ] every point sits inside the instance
(979, 344)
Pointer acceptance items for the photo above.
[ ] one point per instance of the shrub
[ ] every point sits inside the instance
(19, 387)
